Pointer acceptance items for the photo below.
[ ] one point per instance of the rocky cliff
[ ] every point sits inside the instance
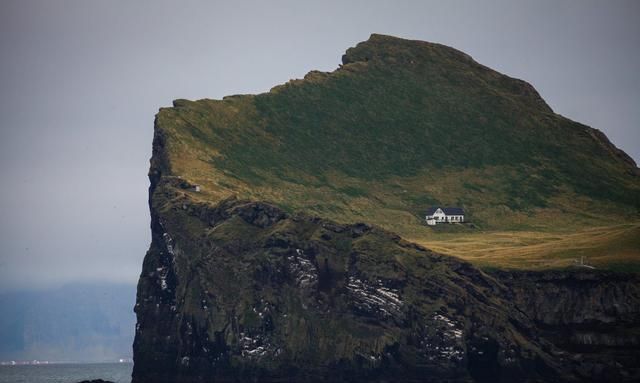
(263, 273)
(593, 316)
(242, 291)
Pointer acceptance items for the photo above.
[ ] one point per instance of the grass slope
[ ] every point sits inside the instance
(403, 125)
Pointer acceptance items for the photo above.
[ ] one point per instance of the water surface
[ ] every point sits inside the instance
(66, 373)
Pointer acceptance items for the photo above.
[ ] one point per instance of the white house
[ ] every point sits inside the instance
(437, 214)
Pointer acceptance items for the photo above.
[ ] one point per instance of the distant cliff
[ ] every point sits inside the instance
(78, 322)
(283, 262)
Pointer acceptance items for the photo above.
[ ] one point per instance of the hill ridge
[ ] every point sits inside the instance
(400, 126)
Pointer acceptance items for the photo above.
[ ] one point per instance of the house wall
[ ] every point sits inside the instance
(455, 218)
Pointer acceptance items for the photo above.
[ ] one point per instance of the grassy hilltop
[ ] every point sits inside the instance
(403, 125)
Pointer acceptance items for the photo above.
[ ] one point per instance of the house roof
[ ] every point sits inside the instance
(431, 210)
(446, 210)
(453, 211)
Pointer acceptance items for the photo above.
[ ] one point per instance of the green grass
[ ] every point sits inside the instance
(401, 126)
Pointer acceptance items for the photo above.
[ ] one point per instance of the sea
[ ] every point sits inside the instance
(66, 373)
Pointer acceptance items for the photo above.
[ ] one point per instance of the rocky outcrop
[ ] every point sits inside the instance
(243, 291)
(593, 315)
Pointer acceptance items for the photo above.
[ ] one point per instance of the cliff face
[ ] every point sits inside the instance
(243, 291)
(595, 316)
(259, 276)
(249, 292)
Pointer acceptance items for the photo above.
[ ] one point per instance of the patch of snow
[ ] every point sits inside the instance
(444, 341)
(162, 273)
(253, 347)
(303, 270)
(169, 243)
(374, 297)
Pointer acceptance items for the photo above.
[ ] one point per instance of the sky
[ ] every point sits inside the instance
(80, 83)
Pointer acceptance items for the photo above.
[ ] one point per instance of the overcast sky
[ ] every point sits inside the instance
(80, 82)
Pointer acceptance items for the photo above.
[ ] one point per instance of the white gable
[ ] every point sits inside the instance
(439, 213)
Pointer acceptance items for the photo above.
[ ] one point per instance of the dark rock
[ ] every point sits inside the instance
(592, 314)
(263, 296)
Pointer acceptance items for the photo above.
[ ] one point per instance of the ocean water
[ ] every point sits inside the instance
(66, 373)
